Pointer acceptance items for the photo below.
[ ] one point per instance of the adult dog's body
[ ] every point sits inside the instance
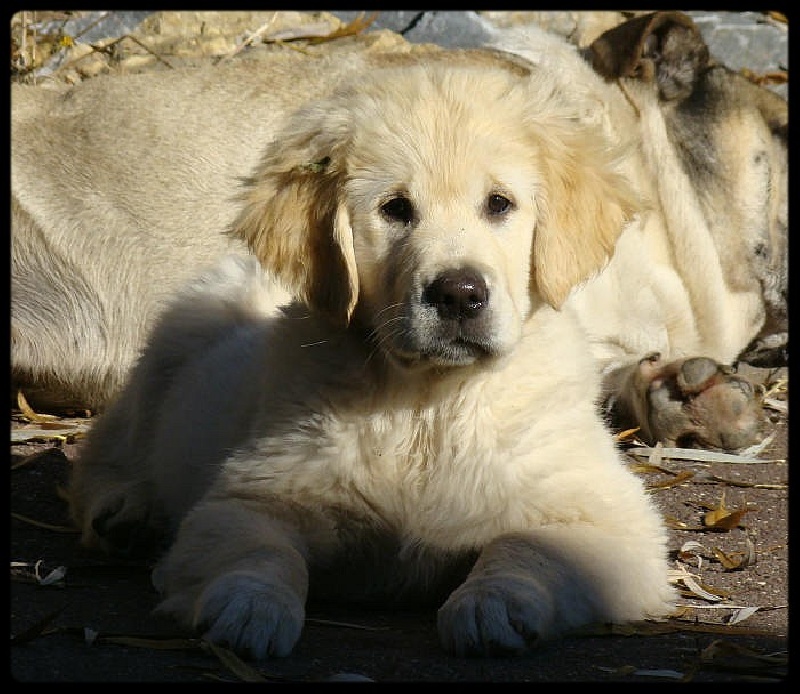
(121, 188)
(424, 424)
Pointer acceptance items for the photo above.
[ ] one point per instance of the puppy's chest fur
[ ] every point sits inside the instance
(435, 460)
(398, 496)
(406, 458)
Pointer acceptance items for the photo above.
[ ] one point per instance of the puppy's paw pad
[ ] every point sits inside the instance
(250, 616)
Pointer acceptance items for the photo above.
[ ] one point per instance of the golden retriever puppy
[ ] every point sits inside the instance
(422, 425)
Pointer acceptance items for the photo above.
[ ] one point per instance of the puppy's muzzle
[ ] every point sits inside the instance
(448, 321)
(455, 325)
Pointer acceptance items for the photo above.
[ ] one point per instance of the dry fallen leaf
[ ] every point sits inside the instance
(157, 644)
(677, 524)
(37, 629)
(36, 572)
(694, 586)
(741, 614)
(626, 434)
(679, 478)
(688, 550)
(236, 665)
(672, 626)
(748, 485)
(774, 77)
(46, 526)
(27, 410)
(666, 674)
(730, 561)
(358, 25)
(701, 590)
(699, 455)
(721, 518)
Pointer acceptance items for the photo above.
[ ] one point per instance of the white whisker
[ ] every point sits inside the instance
(380, 335)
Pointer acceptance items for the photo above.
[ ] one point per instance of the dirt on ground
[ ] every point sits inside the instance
(78, 616)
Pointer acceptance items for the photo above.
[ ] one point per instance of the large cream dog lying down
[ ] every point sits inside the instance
(121, 188)
(427, 428)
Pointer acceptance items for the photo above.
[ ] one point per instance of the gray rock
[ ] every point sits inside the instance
(95, 26)
(746, 40)
(452, 29)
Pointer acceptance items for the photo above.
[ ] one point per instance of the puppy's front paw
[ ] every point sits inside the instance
(495, 615)
(250, 616)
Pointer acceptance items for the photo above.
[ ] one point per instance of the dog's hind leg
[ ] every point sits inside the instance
(61, 354)
(114, 497)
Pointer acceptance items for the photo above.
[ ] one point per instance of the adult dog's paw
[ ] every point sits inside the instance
(693, 402)
(495, 615)
(250, 616)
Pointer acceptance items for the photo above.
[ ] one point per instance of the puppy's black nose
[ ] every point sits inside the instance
(457, 294)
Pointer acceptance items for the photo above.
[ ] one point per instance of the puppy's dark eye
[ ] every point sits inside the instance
(398, 209)
(497, 205)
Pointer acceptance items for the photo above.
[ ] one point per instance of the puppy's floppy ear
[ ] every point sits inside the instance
(584, 205)
(293, 216)
(665, 47)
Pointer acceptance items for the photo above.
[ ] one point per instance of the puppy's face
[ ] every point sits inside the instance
(437, 207)
(442, 196)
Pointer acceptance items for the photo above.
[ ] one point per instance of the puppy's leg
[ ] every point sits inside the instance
(239, 576)
(113, 492)
(110, 492)
(113, 496)
(526, 587)
(686, 402)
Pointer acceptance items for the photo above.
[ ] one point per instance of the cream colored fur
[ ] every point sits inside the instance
(367, 445)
